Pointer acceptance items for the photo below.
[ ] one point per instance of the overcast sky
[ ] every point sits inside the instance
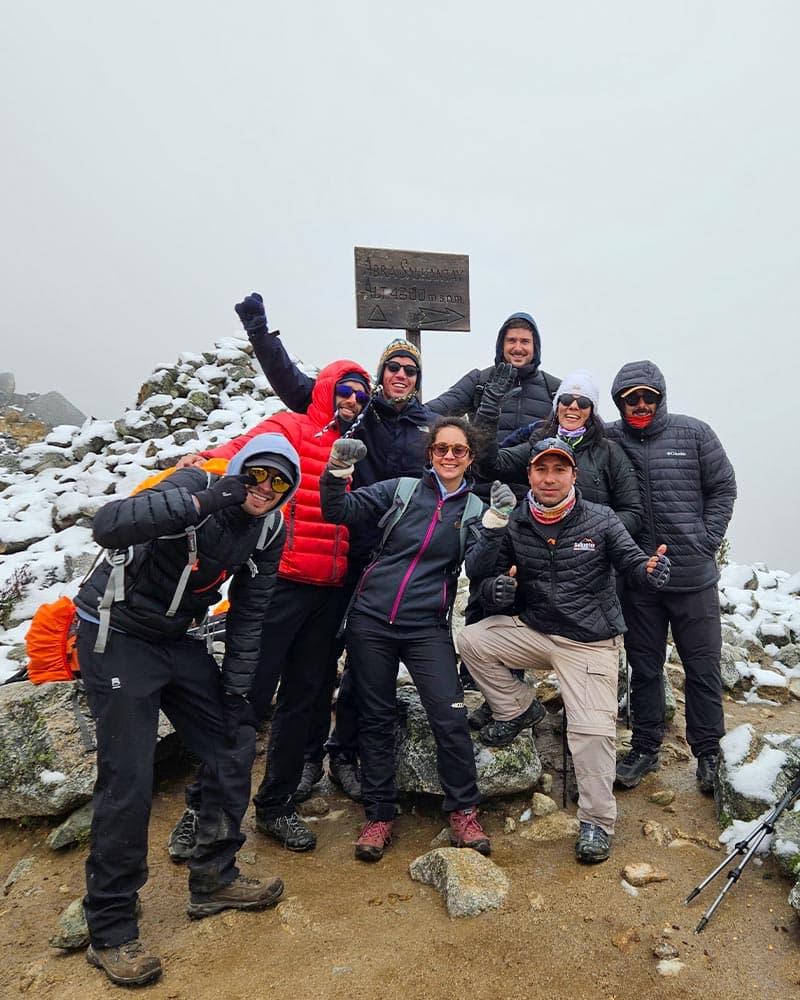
(626, 172)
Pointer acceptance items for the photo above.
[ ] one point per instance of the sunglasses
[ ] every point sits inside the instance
(458, 450)
(647, 395)
(394, 367)
(346, 391)
(261, 475)
(567, 399)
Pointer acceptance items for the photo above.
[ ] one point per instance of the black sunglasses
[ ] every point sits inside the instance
(346, 391)
(567, 399)
(647, 395)
(394, 367)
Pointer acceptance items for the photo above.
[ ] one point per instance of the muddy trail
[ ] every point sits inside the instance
(346, 929)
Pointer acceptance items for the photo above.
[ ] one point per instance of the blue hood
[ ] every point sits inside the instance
(266, 445)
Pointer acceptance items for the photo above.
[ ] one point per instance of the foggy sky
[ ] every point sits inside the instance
(625, 172)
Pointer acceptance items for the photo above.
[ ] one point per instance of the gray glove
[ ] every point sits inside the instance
(496, 389)
(503, 501)
(504, 591)
(344, 454)
(660, 575)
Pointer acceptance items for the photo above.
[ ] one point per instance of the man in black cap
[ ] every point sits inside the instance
(688, 490)
(549, 590)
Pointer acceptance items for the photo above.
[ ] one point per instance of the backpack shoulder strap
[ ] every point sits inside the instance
(472, 511)
(402, 496)
(269, 529)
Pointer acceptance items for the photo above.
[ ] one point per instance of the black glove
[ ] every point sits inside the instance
(252, 314)
(236, 712)
(227, 491)
(660, 575)
(496, 389)
(504, 591)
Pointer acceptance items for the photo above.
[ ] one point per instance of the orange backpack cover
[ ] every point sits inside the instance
(50, 643)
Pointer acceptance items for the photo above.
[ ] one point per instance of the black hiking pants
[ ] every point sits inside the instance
(125, 687)
(375, 649)
(696, 630)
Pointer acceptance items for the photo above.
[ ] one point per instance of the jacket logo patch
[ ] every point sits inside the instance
(677, 454)
(584, 545)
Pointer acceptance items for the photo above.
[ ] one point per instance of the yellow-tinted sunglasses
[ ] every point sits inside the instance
(261, 475)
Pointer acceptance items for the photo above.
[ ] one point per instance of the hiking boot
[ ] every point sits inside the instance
(375, 836)
(481, 717)
(312, 772)
(125, 964)
(466, 831)
(500, 734)
(591, 847)
(706, 770)
(634, 766)
(241, 894)
(344, 773)
(183, 838)
(291, 831)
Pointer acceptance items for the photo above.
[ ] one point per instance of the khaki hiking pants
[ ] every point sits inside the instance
(587, 674)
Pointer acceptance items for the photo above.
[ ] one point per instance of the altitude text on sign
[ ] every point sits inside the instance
(409, 290)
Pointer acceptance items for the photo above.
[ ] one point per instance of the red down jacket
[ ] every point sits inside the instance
(315, 551)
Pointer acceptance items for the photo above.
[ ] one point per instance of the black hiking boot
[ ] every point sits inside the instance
(634, 766)
(241, 894)
(312, 773)
(706, 770)
(344, 773)
(500, 734)
(126, 964)
(591, 847)
(290, 830)
(481, 717)
(183, 838)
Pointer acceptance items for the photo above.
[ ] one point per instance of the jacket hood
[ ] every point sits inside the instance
(537, 340)
(321, 409)
(640, 373)
(275, 444)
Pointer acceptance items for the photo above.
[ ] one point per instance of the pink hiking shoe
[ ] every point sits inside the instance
(466, 831)
(374, 837)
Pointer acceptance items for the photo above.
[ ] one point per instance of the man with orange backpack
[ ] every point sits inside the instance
(169, 548)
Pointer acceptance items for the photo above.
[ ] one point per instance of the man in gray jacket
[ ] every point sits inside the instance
(688, 490)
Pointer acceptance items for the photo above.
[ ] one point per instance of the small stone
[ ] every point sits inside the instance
(316, 806)
(641, 873)
(665, 950)
(537, 901)
(663, 797)
(71, 930)
(469, 882)
(542, 805)
(670, 967)
(656, 832)
(546, 779)
(625, 939)
(510, 825)
(554, 827)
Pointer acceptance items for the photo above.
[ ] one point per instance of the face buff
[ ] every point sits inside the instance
(547, 515)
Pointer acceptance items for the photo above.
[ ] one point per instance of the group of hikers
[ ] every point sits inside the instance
(344, 522)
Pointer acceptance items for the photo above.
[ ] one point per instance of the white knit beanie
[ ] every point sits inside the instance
(581, 383)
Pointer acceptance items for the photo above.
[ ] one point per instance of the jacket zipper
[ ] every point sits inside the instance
(336, 536)
(437, 516)
(290, 534)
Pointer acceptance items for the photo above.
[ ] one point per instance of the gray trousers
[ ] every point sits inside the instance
(587, 674)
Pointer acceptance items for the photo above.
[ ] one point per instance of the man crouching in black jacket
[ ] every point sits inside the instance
(550, 591)
(169, 549)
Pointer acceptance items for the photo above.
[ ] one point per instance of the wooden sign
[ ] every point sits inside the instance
(407, 290)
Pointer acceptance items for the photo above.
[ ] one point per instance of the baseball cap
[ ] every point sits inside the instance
(552, 446)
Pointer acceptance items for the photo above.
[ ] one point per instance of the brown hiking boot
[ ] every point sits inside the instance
(241, 894)
(126, 964)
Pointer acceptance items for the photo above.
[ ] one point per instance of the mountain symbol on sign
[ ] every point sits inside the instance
(376, 316)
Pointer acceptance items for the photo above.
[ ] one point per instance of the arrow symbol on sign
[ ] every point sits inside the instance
(439, 316)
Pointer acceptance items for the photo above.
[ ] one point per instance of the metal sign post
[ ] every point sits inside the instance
(412, 291)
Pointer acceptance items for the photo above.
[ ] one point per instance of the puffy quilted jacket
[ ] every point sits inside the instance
(315, 551)
(565, 589)
(531, 399)
(687, 483)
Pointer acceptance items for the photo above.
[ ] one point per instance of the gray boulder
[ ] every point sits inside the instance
(74, 829)
(52, 408)
(785, 847)
(469, 882)
(502, 771)
(755, 772)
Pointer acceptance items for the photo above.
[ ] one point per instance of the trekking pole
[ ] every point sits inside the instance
(746, 848)
(624, 656)
(564, 757)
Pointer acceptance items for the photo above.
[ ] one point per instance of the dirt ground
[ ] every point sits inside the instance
(346, 929)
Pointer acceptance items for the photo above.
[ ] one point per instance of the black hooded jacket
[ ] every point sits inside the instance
(531, 399)
(687, 483)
